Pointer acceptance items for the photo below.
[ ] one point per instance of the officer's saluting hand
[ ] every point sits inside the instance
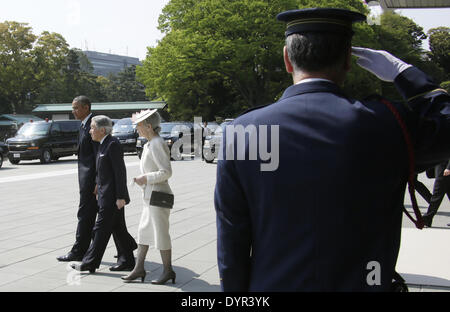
(380, 63)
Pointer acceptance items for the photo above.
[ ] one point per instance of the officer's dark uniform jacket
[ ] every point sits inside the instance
(334, 205)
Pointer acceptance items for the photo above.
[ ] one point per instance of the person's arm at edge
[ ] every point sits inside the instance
(233, 228)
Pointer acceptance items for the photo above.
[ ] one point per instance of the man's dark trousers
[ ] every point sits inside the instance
(110, 220)
(111, 182)
(440, 188)
(87, 213)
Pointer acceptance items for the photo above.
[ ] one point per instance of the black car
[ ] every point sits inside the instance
(172, 132)
(3, 152)
(10, 123)
(44, 140)
(126, 132)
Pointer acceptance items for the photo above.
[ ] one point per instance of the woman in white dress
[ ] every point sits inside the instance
(154, 224)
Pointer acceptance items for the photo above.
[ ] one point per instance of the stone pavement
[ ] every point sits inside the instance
(424, 257)
(38, 222)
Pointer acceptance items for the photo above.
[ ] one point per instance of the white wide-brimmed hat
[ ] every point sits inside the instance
(142, 115)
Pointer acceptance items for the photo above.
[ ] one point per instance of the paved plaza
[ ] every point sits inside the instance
(38, 221)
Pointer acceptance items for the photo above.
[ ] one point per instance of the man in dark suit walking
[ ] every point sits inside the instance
(112, 198)
(325, 214)
(440, 189)
(87, 211)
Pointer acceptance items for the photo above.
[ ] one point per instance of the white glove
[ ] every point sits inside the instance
(380, 63)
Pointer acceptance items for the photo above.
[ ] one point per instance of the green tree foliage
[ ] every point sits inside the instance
(403, 38)
(446, 85)
(42, 69)
(27, 63)
(124, 86)
(75, 77)
(219, 58)
(439, 41)
(70, 80)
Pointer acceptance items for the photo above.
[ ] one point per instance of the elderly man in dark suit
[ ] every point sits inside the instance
(112, 198)
(325, 212)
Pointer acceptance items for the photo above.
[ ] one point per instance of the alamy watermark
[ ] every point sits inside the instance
(374, 276)
(73, 278)
(247, 143)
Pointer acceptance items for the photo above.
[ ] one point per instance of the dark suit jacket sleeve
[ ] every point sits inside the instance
(429, 108)
(87, 153)
(119, 171)
(233, 228)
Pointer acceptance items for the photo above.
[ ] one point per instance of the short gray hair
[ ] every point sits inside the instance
(318, 51)
(102, 121)
(154, 121)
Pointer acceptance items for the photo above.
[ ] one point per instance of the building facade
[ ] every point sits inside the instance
(105, 63)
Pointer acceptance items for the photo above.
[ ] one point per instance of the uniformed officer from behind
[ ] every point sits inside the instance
(329, 217)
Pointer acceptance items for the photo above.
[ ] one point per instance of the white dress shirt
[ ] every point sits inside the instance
(85, 120)
(101, 141)
(313, 79)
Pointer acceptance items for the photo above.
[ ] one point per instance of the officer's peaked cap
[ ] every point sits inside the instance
(320, 19)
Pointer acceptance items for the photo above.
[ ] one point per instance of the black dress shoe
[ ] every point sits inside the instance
(69, 257)
(122, 267)
(83, 267)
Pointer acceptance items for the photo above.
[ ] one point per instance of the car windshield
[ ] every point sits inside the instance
(123, 125)
(34, 129)
(180, 128)
(166, 128)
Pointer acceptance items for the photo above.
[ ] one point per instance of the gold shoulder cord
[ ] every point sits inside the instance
(425, 93)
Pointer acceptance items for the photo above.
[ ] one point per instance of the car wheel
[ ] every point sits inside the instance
(178, 154)
(46, 156)
(209, 160)
(1, 160)
(13, 161)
